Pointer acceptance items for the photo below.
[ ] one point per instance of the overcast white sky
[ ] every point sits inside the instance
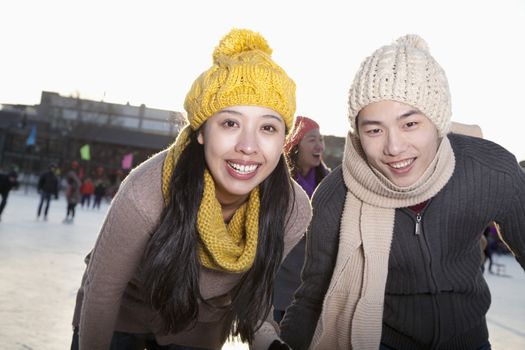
(151, 51)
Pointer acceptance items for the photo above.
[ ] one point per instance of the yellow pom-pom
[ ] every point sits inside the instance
(413, 40)
(240, 40)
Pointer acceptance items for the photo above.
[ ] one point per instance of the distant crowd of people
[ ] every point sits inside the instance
(88, 191)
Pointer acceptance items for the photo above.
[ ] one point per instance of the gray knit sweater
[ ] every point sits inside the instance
(436, 296)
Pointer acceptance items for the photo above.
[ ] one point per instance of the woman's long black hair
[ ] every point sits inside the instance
(171, 265)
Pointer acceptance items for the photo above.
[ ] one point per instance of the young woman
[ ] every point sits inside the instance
(190, 247)
(304, 151)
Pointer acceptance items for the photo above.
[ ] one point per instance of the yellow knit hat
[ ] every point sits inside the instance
(404, 72)
(243, 73)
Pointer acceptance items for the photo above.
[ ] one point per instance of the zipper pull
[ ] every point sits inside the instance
(418, 224)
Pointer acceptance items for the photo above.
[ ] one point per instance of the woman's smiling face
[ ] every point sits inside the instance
(242, 146)
(311, 150)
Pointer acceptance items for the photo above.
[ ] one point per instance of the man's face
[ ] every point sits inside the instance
(398, 140)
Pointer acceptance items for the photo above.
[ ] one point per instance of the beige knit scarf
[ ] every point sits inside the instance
(352, 312)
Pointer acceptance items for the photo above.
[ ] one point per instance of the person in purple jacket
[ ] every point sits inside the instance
(304, 150)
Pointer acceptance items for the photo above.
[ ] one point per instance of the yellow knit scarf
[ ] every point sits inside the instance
(225, 247)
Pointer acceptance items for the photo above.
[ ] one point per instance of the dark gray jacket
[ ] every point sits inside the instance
(436, 296)
(48, 183)
(288, 278)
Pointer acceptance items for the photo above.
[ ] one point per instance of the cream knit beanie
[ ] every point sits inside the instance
(404, 72)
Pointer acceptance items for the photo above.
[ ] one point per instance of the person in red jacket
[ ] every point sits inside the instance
(86, 191)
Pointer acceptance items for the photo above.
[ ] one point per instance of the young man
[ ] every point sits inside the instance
(393, 249)
(47, 187)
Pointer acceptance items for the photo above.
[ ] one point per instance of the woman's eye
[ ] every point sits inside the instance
(229, 124)
(269, 128)
(411, 124)
(374, 131)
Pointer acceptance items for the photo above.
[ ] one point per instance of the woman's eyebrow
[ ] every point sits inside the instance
(273, 117)
(230, 111)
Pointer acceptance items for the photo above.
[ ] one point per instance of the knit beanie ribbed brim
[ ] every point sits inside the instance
(301, 127)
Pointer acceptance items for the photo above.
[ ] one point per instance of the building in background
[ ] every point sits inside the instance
(57, 129)
(32, 137)
(333, 150)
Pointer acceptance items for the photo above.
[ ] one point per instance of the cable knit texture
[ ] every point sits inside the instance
(405, 72)
(243, 73)
(435, 295)
(353, 307)
(111, 296)
(228, 247)
(301, 127)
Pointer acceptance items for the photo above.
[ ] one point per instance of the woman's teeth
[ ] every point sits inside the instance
(243, 169)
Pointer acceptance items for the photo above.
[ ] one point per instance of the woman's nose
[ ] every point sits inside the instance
(319, 146)
(247, 142)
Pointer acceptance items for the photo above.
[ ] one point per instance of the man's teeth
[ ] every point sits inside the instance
(243, 169)
(402, 164)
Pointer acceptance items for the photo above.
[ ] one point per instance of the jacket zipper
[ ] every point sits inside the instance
(418, 224)
(418, 231)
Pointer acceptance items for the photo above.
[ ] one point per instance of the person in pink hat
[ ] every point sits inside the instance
(304, 150)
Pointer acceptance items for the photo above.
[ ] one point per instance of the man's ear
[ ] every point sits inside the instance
(200, 136)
